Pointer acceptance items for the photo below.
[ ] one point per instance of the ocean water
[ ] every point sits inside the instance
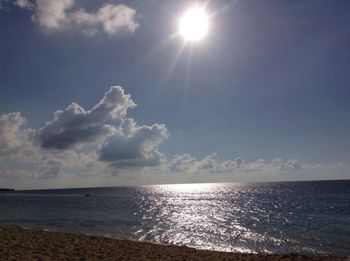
(302, 217)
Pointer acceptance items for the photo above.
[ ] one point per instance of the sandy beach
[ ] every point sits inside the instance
(31, 244)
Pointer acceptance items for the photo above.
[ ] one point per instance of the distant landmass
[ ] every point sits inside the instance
(6, 190)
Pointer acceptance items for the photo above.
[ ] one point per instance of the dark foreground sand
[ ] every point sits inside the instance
(28, 244)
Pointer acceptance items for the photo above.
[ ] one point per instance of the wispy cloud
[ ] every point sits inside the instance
(60, 15)
(24, 4)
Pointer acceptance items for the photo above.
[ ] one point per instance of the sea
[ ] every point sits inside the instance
(282, 217)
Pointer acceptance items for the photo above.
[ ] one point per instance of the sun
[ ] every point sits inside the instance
(194, 24)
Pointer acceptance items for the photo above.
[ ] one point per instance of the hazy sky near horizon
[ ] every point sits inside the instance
(96, 93)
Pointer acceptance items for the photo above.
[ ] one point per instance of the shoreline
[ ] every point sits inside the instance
(18, 243)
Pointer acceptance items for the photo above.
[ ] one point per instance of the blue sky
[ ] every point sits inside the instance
(264, 96)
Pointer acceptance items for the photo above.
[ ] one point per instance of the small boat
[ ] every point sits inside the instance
(87, 195)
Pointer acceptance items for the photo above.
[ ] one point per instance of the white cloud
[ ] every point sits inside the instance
(24, 4)
(79, 141)
(182, 163)
(212, 164)
(292, 164)
(110, 18)
(12, 135)
(51, 15)
(255, 166)
(209, 163)
(59, 15)
(134, 146)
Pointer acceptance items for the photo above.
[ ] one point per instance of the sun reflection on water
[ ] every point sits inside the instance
(191, 188)
(254, 218)
(197, 215)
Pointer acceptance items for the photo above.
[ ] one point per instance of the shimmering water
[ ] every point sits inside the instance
(303, 217)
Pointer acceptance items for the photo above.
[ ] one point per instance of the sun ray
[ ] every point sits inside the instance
(172, 64)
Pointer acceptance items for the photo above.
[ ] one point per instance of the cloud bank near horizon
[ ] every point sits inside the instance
(104, 141)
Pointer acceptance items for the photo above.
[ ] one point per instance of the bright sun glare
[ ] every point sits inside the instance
(194, 24)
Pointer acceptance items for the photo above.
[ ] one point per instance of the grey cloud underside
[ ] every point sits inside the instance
(66, 139)
(75, 125)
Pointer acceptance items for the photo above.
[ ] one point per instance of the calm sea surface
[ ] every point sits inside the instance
(303, 217)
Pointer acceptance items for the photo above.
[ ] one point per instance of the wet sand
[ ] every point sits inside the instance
(30, 244)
